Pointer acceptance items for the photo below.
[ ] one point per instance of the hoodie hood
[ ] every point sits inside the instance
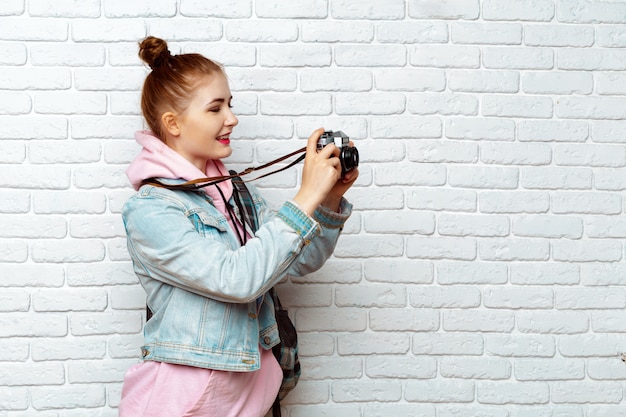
(157, 160)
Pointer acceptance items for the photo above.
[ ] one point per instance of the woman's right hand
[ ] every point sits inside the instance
(319, 175)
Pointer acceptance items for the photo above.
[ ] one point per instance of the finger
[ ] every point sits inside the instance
(329, 150)
(311, 146)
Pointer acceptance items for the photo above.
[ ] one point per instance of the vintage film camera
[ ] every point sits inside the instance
(349, 155)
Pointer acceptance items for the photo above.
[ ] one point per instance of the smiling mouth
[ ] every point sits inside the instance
(224, 139)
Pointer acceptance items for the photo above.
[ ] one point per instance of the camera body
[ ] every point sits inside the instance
(348, 155)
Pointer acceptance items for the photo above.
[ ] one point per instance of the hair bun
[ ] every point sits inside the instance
(154, 52)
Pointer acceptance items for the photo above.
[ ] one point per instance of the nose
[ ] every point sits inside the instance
(231, 120)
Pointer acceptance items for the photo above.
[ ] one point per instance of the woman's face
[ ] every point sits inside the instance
(204, 127)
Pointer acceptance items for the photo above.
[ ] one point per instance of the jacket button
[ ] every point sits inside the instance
(144, 352)
(252, 315)
(267, 340)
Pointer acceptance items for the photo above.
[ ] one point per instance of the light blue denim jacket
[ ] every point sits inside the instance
(206, 292)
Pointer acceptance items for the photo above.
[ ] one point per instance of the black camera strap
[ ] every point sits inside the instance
(198, 183)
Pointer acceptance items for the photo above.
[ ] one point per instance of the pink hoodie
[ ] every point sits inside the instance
(158, 160)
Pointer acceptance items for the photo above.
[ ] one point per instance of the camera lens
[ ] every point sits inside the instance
(349, 159)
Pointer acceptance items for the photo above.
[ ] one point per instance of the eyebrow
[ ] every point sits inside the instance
(219, 100)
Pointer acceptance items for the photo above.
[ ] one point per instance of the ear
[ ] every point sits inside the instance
(170, 123)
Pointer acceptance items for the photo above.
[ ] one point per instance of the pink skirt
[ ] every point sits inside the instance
(157, 389)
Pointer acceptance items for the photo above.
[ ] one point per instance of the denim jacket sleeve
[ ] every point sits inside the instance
(167, 244)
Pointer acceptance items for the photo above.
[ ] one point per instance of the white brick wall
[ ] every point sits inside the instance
(482, 273)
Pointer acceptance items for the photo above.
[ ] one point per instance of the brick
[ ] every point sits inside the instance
(398, 127)
(440, 248)
(552, 322)
(52, 373)
(230, 9)
(481, 81)
(611, 36)
(514, 106)
(574, 11)
(370, 344)
(33, 29)
(597, 298)
(442, 199)
(313, 79)
(466, 225)
(63, 251)
(548, 226)
(64, 9)
(369, 103)
(74, 396)
(553, 131)
(545, 274)
(105, 30)
(450, 273)
(369, 55)
(590, 108)
(400, 367)
(15, 104)
(360, 247)
(552, 178)
(64, 202)
(12, 153)
(12, 7)
(456, 343)
(13, 53)
(371, 296)
(409, 271)
(518, 298)
(62, 349)
(587, 392)
(396, 319)
(295, 55)
(559, 36)
(478, 321)
(602, 274)
(405, 174)
(68, 55)
(591, 345)
(288, 9)
(379, 391)
(58, 300)
(560, 82)
(349, 32)
(413, 31)
(514, 345)
(514, 250)
(514, 202)
(142, 8)
(440, 391)
(512, 393)
(475, 368)
(64, 152)
(410, 80)
(104, 323)
(480, 129)
(589, 203)
(453, 10)
(459, 297)
(530, 10)
(261, 31)
(332, 368)
(442, 103)
(504, 178)
(442, 151)
(486, 34)
(444, 56)
(519, 58)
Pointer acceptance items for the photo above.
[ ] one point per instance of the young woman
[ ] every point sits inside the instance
(208, 345)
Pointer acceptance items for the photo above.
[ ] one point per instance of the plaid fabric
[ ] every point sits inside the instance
(286, 352)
